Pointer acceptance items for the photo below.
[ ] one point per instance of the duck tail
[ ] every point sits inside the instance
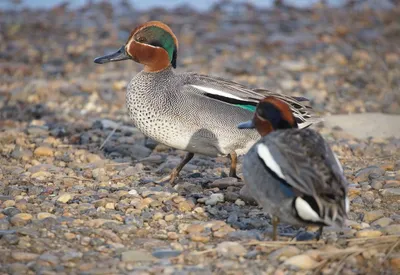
(319, 211)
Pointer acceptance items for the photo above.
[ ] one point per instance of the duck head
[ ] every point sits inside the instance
(271, 114)
(152, 44)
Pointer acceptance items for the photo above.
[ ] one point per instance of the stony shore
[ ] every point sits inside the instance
(72, 202)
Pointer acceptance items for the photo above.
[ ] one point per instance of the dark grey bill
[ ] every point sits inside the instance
(117, 56)
(246, 125)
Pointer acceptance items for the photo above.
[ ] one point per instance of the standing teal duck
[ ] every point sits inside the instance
(189, 111)
(293, 174)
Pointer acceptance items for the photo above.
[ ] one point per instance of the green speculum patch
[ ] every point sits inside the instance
(251, 108)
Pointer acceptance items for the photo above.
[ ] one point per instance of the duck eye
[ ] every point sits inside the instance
(141, 39)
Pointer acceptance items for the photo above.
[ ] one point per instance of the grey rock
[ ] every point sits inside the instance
(166, 253)
(136, 256)
(214, 199)
(363, 174)
(390, 192)
(230, 249)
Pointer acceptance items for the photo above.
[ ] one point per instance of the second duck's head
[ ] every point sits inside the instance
(152, 44)
(271, 114)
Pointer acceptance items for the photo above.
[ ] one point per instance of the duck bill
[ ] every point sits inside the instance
(246, 125)
(117, 56)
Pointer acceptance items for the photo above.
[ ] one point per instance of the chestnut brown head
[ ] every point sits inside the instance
(271, 114)
(152, 44)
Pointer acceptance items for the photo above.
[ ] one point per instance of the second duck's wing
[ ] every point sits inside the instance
(241, 96)
(305, 162)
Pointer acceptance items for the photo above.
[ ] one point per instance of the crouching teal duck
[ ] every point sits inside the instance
(292, 173)
(189, 111)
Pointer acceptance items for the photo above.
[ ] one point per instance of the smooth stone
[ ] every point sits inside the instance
(390, 192)
(136, 256)
(367, 233)
(185, 206)
(365, 125)
(224, 183)
(43, 152)
(64, 198)
(215, 199)
(372, 215)
(49, 259)
(382, 222)
(195, 228)
(24, 256)
(44, 215)
(363, 174)
(304, 262)
(287, 251)
(197, 237)
(231, 249)
(393, 229)
(165, 254)
(21, 219)
(41, 175)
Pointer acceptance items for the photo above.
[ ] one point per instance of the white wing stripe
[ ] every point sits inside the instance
(305, 211)
(216, 92)
(264, 153)
(338, 162)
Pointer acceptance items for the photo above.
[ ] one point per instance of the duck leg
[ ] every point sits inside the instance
(275, 222)
(319, 233)
(232, 170)
(175, 172)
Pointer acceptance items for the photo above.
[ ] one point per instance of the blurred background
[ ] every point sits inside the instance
(342, 54)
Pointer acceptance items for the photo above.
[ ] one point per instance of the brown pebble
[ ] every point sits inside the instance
(43, 152)
(21, 219)
(23, 256)
(195, 228)
(172, 235)
(185, 206)
(197, 237)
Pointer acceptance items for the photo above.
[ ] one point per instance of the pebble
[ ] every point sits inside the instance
(185, 206)
(165, 253)
(197, 237)
(48, 259)
(169, 217)
(43, 152)
(214, 199)
(44, 215)
(21, 219)
(195, 228)
(230, 249)
(372, 215)
(382, 222)
(41, 175)
(368, 233)
(304, 262)
(24, 256)
(363, 174)
(293, 65)
(390, 192)
(136, 256)
(223, 183)
(64, 198)
(393, 229)
(172, 235)
(287, 251)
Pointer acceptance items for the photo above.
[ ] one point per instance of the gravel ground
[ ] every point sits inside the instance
(72, 202)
